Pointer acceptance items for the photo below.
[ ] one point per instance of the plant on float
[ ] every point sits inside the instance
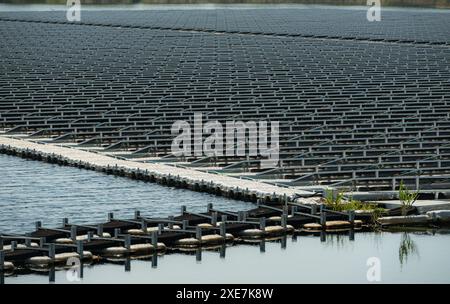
(407, 198)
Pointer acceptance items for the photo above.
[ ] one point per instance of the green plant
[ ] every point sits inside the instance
(374, 210)
(407, 198)
(336, 202)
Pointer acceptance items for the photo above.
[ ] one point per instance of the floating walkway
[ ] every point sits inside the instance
(161, 173)
(143, 237)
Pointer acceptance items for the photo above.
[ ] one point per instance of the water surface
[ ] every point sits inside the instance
(32, 190)
(36, 191)
(303, 260)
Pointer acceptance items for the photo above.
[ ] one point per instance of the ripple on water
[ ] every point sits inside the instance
(31, 191)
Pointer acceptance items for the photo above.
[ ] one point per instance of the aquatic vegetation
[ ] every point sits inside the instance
(333, 200)
(407, 198)
(337, 202)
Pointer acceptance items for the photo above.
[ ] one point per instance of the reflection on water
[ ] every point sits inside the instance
(36, 191)
(32, 190)
(292, 259)
(337, 241)
(407, 248)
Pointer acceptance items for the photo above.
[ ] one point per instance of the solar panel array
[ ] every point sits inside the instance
(404, 26)
(360, 104)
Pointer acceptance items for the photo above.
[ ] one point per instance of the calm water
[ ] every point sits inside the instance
(304, 260)
(31, 190)
(36, 191)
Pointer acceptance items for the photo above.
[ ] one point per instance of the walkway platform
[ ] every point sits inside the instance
(172, 175)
